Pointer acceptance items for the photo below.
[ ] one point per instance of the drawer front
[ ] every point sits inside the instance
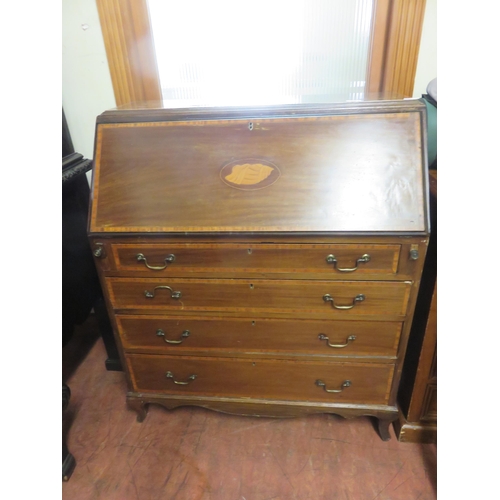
(262, 379)
(335, 299)
(244, 336)
(336, 260)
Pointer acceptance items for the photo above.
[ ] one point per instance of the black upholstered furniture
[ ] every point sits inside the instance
(81, 290)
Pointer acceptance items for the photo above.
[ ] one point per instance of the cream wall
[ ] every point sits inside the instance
(86, 82)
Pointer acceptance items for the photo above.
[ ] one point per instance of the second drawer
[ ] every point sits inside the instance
(330, 299)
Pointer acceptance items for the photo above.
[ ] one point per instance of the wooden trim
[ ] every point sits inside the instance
(130, 50)
(415, 432)
(380, 23)
(128, 38)
(406, 18)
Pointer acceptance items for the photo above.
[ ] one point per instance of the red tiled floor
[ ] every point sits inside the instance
(197, 454)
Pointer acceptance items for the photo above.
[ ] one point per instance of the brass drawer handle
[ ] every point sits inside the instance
(331, 259)
(184, 335)
(359, 298)
(168, 259)
(189, 379)
(173, 293)
(351, 338)
(345, 383)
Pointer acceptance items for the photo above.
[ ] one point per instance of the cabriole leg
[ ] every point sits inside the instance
(383, 428)
(139, 406)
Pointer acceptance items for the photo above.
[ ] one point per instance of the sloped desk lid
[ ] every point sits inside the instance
(355, 168)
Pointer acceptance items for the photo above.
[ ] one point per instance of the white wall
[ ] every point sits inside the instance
(427, 57)
(86, 83)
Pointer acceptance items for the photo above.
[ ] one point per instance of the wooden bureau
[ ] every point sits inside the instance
(262, 261)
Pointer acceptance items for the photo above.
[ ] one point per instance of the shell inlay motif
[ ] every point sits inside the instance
(249, 174)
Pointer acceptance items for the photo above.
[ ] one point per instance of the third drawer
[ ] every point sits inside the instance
(267, 337)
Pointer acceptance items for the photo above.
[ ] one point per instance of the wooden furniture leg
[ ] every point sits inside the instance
(383, 428)
(139, 406)
(68, 460)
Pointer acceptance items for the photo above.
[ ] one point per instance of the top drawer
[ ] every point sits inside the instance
(178, 259)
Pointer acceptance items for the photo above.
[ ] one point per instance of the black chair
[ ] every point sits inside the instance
(81, 290)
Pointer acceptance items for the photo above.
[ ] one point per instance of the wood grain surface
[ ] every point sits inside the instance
(261, 379)
(266, 337)
(335, 175)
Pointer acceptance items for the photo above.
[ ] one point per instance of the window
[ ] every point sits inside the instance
(227, 52)
(224, 52)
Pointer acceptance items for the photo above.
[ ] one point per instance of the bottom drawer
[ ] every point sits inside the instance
(261, 379)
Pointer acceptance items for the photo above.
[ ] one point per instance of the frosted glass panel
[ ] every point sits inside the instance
(230, 52)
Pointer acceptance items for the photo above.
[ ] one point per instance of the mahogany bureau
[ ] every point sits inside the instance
(262, 261)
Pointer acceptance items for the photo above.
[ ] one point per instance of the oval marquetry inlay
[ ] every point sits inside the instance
(249, 174)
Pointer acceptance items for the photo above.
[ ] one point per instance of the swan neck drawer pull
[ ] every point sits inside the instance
(359, 298)
(174, 294)
(168, 259)
(331, 259)
(188, 381)
(345, 383)
(184, 334)
(351, 338)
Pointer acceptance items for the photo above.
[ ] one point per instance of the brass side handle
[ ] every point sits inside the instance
(99, 251)
(414, 254)
(178, 382)
(168, 259)
(359, 298)
(345, 383)
(185, 334)
(331, 259)
(173, 293)
(349, 339)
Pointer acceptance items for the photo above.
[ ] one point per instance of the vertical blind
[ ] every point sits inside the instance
(231, 52)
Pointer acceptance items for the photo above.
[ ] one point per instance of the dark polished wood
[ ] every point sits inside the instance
(259, 378)
(223, 336)
(68, 460)
(240, 258)
(358, 186)
(288, 242)
(382, 300)
(417, 420)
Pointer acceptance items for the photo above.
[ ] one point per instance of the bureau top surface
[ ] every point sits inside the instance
(356, 168)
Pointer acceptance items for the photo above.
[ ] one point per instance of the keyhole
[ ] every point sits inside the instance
(250, 126)
(253, 323)
(251, 287)
(249, 251)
